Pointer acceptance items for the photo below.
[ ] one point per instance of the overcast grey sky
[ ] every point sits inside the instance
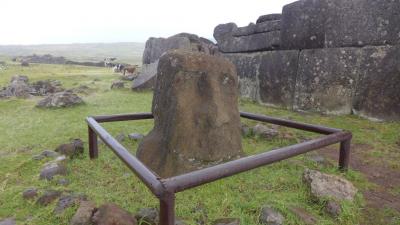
(81, 21)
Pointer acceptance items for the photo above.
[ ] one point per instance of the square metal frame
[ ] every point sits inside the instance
(166, 188)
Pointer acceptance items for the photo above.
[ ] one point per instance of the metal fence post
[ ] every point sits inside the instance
(167, 209)
(93, 148)
(344, 157)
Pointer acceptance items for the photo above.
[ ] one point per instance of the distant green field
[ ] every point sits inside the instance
(125, 52)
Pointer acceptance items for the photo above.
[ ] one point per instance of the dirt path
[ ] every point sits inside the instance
(377, 171)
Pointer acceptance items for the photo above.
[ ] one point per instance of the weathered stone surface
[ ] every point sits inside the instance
(362, 22)
(147, 77)
(30, 193)
(246, 130)
(111, 214)
(264, 131)
(117, 84)
(269, 17)
(227, 221)
(333, 208)
(8, 221)
(148, 216)
(67, 201)
(247, 66)
(277, 78)
(72, 149)
(250, 43)
(378, 92)
(48, 197)
(252, 28)
(326, 80)
(196, 114)
(329, 186)
(84, 213)
(60, 99)
(53, 168)
(303, 25)
(270, 216)
(18, 87)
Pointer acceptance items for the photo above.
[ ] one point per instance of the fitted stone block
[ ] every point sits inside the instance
(326, 80)
(378, 91)
(277, 77)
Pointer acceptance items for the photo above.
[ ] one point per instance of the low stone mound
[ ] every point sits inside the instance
(195, 112)
(59, 100)
(18, 87)
(45, 87)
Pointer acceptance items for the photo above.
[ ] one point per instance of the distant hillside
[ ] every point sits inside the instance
(126, 52)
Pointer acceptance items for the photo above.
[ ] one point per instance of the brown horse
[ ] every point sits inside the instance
(130, 69)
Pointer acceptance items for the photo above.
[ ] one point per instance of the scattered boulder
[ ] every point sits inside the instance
(53, 168)
(8, 221)
(45, 87)
(264, 131)
(46, 154)
(24, 64)
(270, 216)
(329, 186)
(48, 197)
(18, 87)
(30, 193)
(148, 216)
(306, 217)
(246, 130)
(60, 99)
(135, 136)
(110, 213)
(83, 215)
(117, 84)
(195, 112)
(73, 149)
(227, 221)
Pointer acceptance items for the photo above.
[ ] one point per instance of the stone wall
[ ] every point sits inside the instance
(328, 56)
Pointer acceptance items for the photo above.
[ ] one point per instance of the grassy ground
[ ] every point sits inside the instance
(26, 131)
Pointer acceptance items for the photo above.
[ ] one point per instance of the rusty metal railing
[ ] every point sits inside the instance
(165, 188)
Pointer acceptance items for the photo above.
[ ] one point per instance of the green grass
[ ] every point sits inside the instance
(26, 131)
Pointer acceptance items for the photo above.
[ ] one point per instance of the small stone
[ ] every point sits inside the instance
(29, 193)
(48, 197)
(63, 182)
(329, 186)
(49, 154)
(264, 131)
(227, 221)
(333, 208)
(67, 201)
(52, 169)
(111, 213)
(118, 84)
(72, 149)
(8, 221)
(147, 216)
(135, 136)
(306, 217)
(269, 216)
(120, 137)
(84, 213)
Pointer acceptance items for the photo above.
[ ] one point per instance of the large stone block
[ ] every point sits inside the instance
(326, 80)
(196, 117)
(250, 43)
(378, 92)
(252, 28)
(362, 22)
(247, 67)
(277, 77)
(303, 24)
